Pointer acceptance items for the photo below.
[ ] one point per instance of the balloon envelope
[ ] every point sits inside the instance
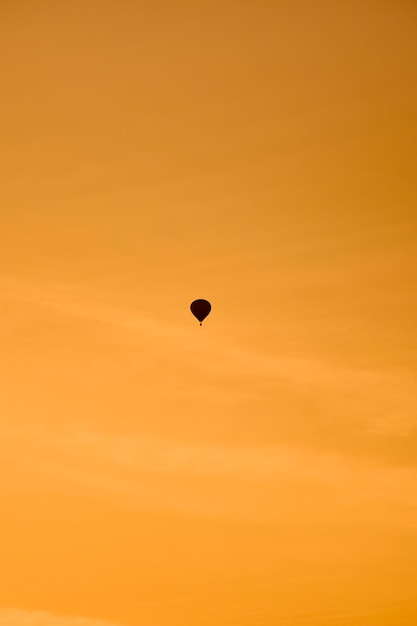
(200, 309)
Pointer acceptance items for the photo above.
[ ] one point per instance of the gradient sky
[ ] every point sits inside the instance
(260, 470)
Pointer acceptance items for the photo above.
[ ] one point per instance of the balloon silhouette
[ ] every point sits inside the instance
(200, 309)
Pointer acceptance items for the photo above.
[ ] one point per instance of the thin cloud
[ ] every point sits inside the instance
(358, 408)
(22, 617)
(73, 302)
(142, 471)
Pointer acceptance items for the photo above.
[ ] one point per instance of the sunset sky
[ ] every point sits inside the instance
(260, 470)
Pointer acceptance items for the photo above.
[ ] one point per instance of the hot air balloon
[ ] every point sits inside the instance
(200, 309)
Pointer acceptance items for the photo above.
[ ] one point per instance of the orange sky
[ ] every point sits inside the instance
(260, 470)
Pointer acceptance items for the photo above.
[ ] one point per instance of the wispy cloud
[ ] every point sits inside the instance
(354, 409)
(257, 484)
(142, 469)
(74, 302)
(22, 617)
